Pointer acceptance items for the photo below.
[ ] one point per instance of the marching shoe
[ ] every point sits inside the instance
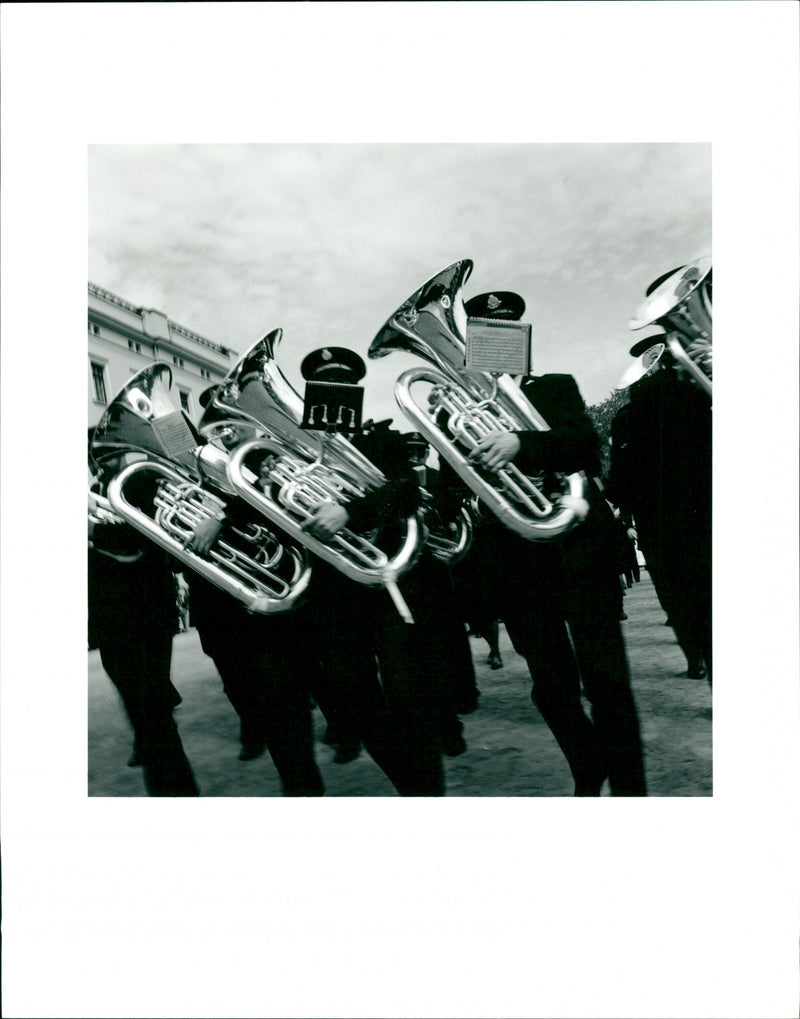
(250, 751)
(467, 703)
(454, 745)
(589, 786)
(346, 752)
(495, 662)
(696, 671)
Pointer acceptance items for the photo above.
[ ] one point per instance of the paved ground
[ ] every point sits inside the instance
(510, 750)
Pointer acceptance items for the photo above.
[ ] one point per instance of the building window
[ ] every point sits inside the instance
(99, 382)
(184, 400)
(133, 345)
(95, 328)
(205, 373)
(177, 360)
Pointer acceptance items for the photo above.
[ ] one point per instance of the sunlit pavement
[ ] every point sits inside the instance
(510, 751)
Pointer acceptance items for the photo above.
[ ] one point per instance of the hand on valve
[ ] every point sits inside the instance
(495, 450)
(204, 535)
(326, 520)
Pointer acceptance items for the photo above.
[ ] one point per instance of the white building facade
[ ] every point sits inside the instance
(124, 339)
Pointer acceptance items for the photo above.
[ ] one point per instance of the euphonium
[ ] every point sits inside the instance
(266, 572)
(466, 405)
(291, 470)
(681, 305)
(448, 540)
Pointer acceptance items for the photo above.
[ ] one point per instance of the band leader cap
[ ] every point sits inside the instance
(333, 364)
(497, 304)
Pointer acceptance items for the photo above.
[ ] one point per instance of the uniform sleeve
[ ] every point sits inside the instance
(571, 443)
(398, 498)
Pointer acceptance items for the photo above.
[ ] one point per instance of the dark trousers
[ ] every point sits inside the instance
(140, 670)
(375, 684)
(267, 678)
(267, 674)
(683, 585)
(565, 623)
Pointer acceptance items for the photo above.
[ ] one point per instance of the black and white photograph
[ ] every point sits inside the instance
(422, 510)
(441, 594)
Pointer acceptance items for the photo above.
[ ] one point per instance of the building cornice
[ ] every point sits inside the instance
(189, 334)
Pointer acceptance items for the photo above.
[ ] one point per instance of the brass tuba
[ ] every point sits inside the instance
(681, 304)
(144, 438)
(467, 405)
(448, 540)
(289, 471)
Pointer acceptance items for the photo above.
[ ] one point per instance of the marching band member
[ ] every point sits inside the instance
(132, 620)
(264, 665)
(449, 643)
(394, 711)
(347, 645)
(660, 477)
(569, 589)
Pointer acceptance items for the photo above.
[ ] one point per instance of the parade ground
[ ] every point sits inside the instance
(510, 750)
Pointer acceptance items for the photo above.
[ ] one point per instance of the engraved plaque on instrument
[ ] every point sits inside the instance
(333, 406)
(174, 433)
(494, 345)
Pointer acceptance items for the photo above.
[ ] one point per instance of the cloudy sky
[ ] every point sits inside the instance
(326, 241)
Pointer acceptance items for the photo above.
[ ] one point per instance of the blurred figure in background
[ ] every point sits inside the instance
(660, 477)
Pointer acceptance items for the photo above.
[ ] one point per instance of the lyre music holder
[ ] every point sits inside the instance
(333, 402)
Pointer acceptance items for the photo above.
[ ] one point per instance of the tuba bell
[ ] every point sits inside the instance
(467, 405)
(680, 303)
(290, 470)
(651, 357)
(159, 466)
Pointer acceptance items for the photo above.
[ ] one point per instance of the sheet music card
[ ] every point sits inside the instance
(494, 345)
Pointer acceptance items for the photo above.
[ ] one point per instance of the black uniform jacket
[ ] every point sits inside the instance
(660, 470)
(570, 446)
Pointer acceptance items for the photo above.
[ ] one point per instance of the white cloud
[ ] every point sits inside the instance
(326, 240)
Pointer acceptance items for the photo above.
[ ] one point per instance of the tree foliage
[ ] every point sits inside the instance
(602, 414)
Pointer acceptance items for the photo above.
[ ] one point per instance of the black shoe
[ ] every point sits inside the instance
(135, 760)
(696, 671)
(468, 703)
(250, 751)
(454, 745)
(589, 787)
(495, 662)
(622, 616)
(346, 752)
(328, 737)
